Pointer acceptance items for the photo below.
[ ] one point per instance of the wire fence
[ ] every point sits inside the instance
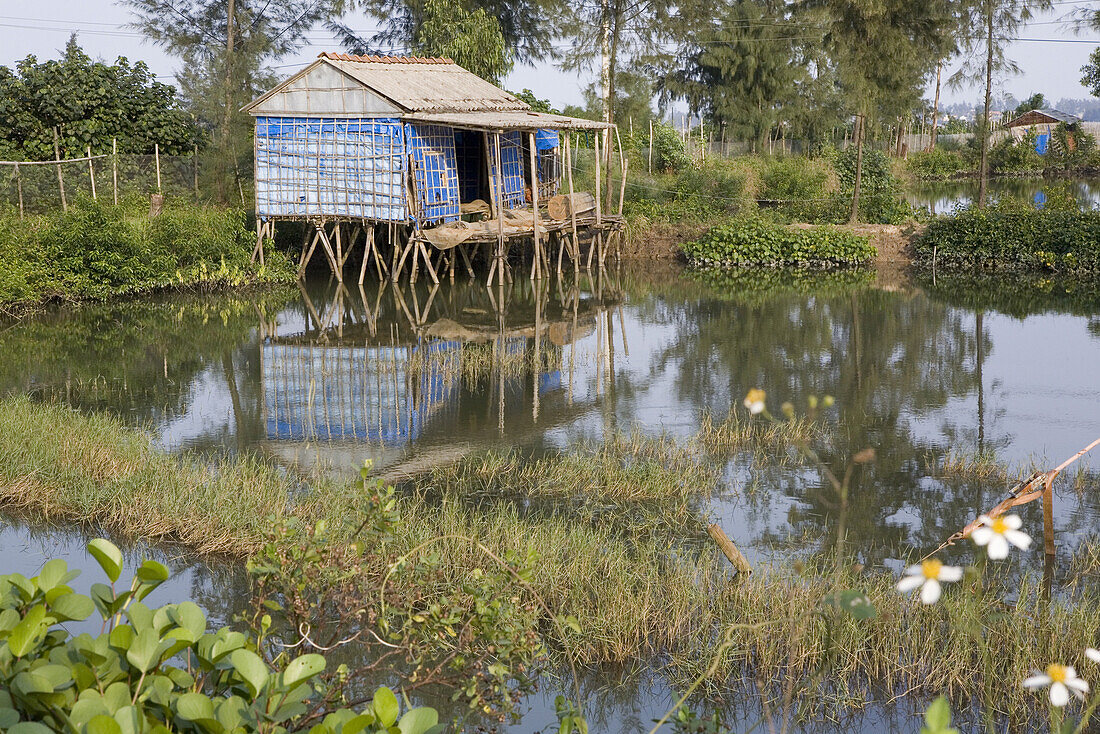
(38, 187)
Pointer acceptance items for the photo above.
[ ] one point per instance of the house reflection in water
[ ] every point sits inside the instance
(412, 392)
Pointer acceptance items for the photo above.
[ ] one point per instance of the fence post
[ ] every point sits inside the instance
(60, 179)
(19, 188)
(195, 166)
(650, 164)
(114, 167)
(91, 174)
(156, 154)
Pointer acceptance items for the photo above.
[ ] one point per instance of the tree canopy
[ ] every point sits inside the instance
(89, 102)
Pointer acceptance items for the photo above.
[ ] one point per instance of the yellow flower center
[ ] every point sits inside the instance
(999, 525)
(1057, 673)
(931, 568)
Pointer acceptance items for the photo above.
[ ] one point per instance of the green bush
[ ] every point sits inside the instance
(793, 179)
(158, 670)
(1054, 239)
(935, 164)
(754, 241)
(880, 199)
(668, 149)
(96, 250)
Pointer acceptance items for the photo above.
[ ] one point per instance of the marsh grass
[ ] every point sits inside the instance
(641, 598)
(956, 465)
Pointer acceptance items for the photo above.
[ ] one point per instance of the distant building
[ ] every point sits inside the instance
(1042, 123)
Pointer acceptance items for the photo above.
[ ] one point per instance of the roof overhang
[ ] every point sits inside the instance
(505, 120)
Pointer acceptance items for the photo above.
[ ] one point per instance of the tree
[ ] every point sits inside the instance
(472, 38)
(1035, 102)
(1091, 71)
(89, 102)
(225, 46)
(990, 23)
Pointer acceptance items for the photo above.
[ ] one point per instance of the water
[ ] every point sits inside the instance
(321, 378)
(941, 197)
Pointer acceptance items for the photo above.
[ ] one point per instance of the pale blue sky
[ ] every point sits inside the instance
(42, 27)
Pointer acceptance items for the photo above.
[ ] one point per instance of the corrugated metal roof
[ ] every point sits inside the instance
(1056, 115)
(426, 85)
(506, 120)
(333, 56)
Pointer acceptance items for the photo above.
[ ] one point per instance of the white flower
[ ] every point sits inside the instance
(928, 575)
(1062, 679)
(997, 532)
(754, 401)
(1092, 654)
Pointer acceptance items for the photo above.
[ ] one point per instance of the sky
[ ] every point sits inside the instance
(1050, 59)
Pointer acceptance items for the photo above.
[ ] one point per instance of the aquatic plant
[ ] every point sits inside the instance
(158, 670)
(754, 241)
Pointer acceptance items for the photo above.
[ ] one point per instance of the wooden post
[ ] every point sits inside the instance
(19, 188)
(1048, 519)
(597, 240)
(60, 178)
(650, 164)
(195, 167)
(114, 167)
(729, 550)
(622, 171)
(156, 155)
(536, 266)
(575, 253)
(91, 174)
(499, 187)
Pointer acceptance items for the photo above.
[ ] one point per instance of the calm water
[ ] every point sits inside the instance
(321, 378)
(941, 197)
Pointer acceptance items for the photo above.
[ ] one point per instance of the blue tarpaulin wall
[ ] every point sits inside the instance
(309, 166)
(1041, 142)
(435, 171)
(511, 160)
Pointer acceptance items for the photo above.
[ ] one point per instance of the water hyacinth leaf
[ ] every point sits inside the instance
(854, 602)
(418, 720)
(129, 719)
(385, 706)
(58, 676)
(194, 707)
(937, 719)
(87, 708)
(102, 724)
(144, 652)
(54, 573)
(30, 727)
(27, 683)
(189, 616)
(251, 668)
(305, 667)
(28, 632)
(108, 556)
(8, 718)
(72, 607)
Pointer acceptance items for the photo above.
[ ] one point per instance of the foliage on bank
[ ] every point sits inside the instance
(1013, 238)
(756, 242)
(97, 250)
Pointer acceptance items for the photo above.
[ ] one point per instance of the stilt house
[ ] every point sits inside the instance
(411, 153)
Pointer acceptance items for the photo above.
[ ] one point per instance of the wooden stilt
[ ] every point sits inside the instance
(536, 268)
(368, 248)
(498, 186)
(326, 243)
(308, 255)
(466, 260)
(575, 254)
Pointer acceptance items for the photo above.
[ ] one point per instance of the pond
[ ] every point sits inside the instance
(321, 377)
(941, 197)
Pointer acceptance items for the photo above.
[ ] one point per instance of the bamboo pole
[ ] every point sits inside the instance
(60, 178)
(597, 240)
(91, 174)
(575, 253)
(650, 163)
(195, 170)
(156, 155)
(729, 550)
(498, 185)
(114, 168)
(19, 188)
(536, 265)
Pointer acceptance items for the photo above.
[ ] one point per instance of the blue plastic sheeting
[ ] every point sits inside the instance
(435, 171)
(317, 393)
(546, 139)
(1041, 142)
(1040, 199)
(511, 159)
(330, 167)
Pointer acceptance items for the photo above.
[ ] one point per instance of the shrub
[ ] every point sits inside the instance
(1013, 239)
(793, 179)
(754, 241)
(935, 164)
(880, 199)
(153, 670)
(668, 149)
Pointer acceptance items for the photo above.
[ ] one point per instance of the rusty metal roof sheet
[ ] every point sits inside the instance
(425, 85)
(506, 120)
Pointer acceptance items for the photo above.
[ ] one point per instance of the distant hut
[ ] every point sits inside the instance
(401, 150)
(1042, 123)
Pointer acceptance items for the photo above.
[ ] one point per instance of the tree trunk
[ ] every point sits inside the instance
(936, 107)
(853, 216)
(984, 172)
(227, 113)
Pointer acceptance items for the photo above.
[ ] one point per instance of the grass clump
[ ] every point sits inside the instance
(751, 241)
(96, 250)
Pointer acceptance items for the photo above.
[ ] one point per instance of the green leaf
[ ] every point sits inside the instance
(30, 727)
(304, 668)
(251, 668)
(144, 651)
(385, 706)
(189, 616)
(194, 707)
(418, 720)
(28, 632)
(108, 556)
(72, 607)
(937, 718)
(54, 573)
(102, 724)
